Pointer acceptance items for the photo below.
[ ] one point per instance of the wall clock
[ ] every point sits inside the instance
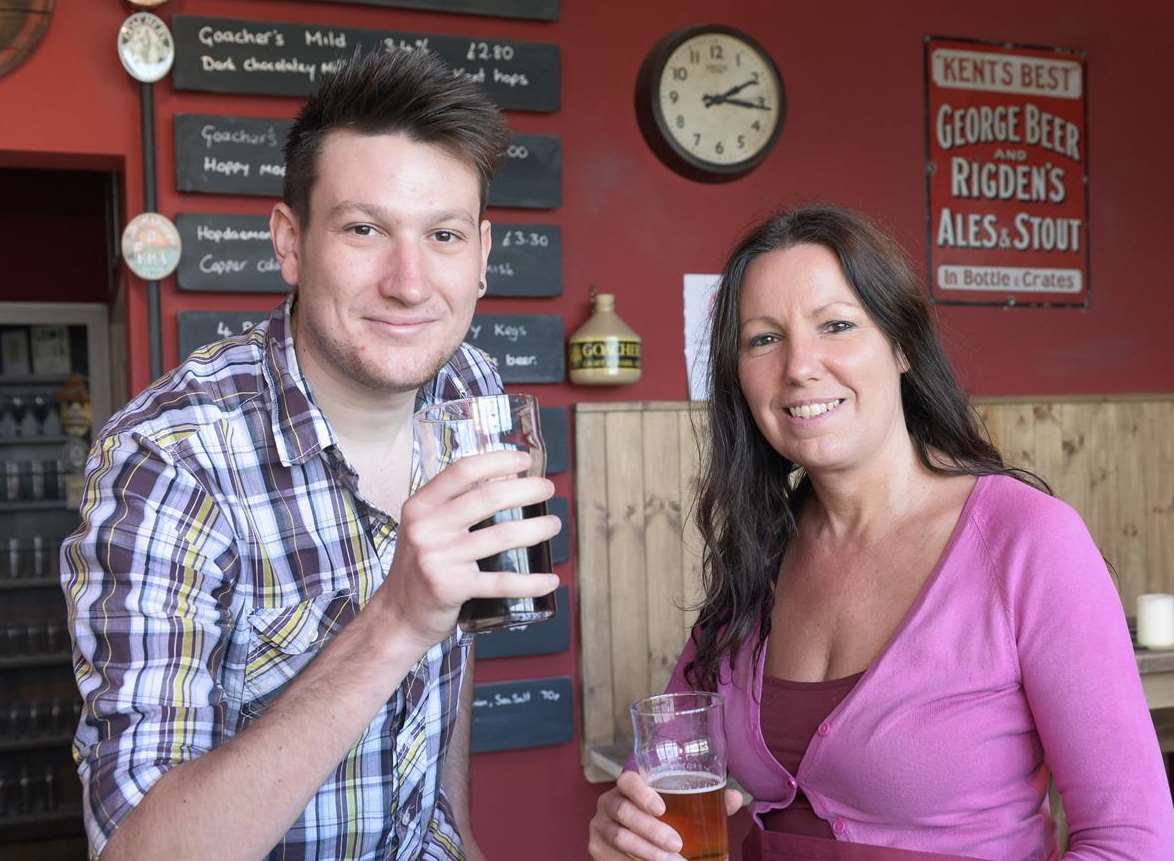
(710, 102)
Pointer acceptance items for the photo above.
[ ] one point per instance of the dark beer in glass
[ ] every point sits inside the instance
(448, 431)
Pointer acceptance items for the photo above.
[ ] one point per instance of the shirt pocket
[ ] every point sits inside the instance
(283, 640)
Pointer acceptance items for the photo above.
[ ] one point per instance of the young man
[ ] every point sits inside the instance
(263, 609)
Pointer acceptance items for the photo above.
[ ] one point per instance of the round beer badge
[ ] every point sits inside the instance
(151, 246)
(145, 47)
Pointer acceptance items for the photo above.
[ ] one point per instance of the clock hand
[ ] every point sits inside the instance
(721, 97)
(742, 103)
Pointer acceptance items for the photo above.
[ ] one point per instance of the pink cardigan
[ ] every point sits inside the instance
(1013, 663)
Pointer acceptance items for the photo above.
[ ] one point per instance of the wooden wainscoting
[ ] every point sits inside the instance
(639, 560)
(1112, 459)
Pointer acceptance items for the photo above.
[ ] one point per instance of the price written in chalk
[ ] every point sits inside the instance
(489, 51)
(523, 713)
(516, 699)
(234, 55)
(526, 260)
(516, 238)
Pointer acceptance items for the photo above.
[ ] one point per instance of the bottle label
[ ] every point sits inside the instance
(609, 354)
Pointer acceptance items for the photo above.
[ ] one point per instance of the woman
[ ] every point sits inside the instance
(911, 637)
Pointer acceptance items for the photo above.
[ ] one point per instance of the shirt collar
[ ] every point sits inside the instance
(300, 430)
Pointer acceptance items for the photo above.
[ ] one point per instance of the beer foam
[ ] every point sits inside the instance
(685, 782)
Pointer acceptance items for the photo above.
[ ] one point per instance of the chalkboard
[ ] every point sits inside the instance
(272, 58)
(526, 260)
(544, 638)
(527, 348)
(245, 155)
(535, 10)
(560, 545)
(555, 424)
(531, 174)
(519, 714)
(230, 155)
(227, 254)
(197, 328)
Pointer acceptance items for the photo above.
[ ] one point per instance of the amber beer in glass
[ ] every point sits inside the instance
(680, 746)
(445, 432)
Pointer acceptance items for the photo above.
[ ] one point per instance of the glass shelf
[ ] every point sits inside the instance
(12, 583)
(34, 505)
(56, 439)
(50, 660)
(35, 742)
(27, 825)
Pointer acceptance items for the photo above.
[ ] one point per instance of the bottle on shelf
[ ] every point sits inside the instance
(24, 800)
(10, 561)
(10, 490)
(50, 789)
(29, 426)
(36, 471)
(7, 419)
(38, 567)
(51, 426)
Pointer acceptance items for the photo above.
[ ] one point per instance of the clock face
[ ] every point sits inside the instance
(717, 102)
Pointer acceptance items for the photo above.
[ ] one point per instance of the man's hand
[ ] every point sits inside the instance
(435, 569)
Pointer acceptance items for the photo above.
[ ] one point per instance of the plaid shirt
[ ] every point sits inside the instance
(223, 542)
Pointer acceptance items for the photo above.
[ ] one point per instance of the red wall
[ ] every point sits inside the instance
(854, 134)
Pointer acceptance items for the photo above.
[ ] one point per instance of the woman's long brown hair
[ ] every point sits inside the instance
(750, 495)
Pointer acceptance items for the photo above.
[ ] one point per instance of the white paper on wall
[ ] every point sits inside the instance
(699, 293)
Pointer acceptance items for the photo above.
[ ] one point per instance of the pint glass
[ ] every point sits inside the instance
(448, 431)
(680, 743)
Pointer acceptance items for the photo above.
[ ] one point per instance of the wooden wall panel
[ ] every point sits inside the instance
(627, 565)
(594, 590)
(691, 430)
(662, 544)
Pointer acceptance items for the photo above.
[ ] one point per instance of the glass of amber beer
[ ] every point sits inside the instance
(680, 742)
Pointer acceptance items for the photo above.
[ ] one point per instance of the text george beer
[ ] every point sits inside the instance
(695, 807)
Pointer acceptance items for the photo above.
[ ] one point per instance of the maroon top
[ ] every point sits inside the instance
(791, 713)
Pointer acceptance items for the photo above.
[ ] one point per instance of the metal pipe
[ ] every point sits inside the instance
(154, 309)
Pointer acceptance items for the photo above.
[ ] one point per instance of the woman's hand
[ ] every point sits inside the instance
(625, 824)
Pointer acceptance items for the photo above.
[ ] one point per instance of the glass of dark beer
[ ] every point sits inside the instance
(680, 742)
(448, 431)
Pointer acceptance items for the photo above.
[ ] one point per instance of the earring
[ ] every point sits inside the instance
(481, 288)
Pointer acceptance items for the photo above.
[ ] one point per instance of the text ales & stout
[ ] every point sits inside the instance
(487, 614)
(695, 807)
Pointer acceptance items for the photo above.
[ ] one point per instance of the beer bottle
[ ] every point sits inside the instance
(604, 351)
